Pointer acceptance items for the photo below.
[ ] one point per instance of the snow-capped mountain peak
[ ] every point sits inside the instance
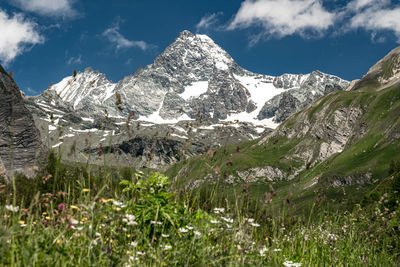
(88, 86)
(192, 58)
(204, 46)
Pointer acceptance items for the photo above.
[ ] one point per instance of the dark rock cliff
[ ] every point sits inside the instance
(20, 145)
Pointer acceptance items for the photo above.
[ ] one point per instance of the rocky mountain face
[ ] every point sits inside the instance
(300, 92)
(193, 81)
(20, 142)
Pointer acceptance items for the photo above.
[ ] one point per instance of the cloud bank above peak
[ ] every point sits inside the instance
(375, 16)
(283, 17)
(113, 35)
(314, 18)
(208, 21)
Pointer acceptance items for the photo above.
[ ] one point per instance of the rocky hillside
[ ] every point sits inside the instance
(347, 138)
(383, 74)
(20, 142)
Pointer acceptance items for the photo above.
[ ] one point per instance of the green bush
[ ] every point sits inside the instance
(150, 202)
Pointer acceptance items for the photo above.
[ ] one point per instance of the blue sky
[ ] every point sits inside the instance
(42, 41)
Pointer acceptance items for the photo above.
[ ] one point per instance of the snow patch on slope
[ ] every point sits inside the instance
(88, 119)
(261, 91)
(194, 90)
(179, 136)
(221, 65)
(57, 145)
(157, 119)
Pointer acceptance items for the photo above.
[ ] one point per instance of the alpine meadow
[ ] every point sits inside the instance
(193, 160)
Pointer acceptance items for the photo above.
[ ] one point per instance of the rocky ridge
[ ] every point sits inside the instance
(20, 142)
(386, 72)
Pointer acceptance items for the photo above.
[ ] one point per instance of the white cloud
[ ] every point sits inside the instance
(375, 16)
(75, 60)
(309, 18)
(18, 34)
(283, 17)
(120, 42)
(357, 5)
(30, 91)
(208, 21)
(129, 61)
(52, 8)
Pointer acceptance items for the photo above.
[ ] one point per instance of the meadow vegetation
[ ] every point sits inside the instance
(72, 215)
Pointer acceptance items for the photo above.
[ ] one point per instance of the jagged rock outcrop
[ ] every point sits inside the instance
(224, 95)
(20, 143)
(301, 91)
(266, 173)
(355, 179)
(152, 151)
(324, 134)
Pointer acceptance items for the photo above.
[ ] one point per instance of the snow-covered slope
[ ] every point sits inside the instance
(85, 87)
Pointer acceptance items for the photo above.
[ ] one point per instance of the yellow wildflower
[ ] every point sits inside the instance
(84, 219)
(44, 213)
(107, 200)
(85, 190)
(21, 222)
(48, 218)
(74, 207)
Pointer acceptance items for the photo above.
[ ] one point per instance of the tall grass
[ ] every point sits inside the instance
(82, 219)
